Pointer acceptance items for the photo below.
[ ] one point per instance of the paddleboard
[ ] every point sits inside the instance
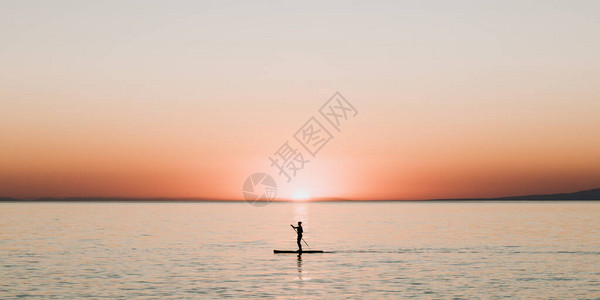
(296, 251)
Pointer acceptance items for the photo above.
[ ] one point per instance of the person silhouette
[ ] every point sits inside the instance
(299, 230)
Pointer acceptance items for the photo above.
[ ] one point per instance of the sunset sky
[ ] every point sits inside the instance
(188, 98)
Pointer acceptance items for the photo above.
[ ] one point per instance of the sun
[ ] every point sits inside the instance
(301, 195)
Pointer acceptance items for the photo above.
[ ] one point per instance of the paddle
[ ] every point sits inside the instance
(297, 233)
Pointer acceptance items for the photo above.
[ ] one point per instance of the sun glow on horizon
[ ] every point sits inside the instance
(301, 195)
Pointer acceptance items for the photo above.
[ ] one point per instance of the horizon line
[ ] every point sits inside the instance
(319, 199)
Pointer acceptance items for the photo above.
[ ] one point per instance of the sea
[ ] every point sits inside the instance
(373, 250)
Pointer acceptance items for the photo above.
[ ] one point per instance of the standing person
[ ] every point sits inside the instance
(299, 230)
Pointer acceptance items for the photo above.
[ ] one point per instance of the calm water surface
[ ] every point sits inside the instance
(379, 250)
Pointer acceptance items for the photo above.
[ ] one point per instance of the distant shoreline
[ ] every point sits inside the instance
(587, 195)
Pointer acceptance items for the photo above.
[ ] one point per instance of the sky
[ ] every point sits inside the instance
(188, 98)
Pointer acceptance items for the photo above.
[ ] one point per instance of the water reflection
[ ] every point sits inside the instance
(301, 273)
(299, 266)
(301, 212)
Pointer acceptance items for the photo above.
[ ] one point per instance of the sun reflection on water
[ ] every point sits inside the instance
(300, 212)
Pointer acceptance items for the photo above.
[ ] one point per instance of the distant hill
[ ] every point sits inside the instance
(581, 195)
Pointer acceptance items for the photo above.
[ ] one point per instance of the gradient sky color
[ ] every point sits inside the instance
(188, 98)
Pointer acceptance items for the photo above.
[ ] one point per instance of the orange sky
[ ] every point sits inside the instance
(187, 99)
